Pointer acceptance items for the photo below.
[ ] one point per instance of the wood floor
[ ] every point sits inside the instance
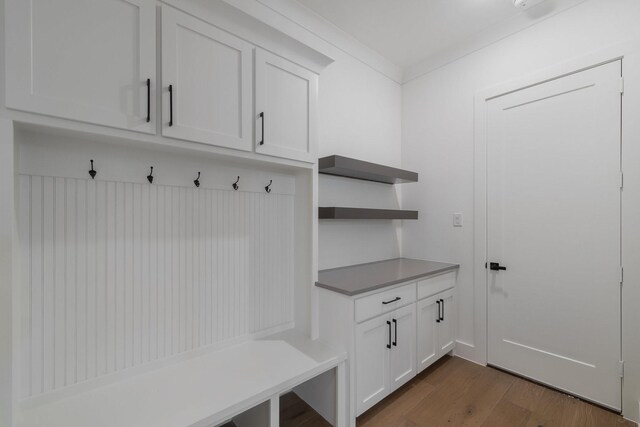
(454, 392)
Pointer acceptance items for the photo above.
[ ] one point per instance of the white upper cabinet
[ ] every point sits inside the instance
(286, 102)
(87, 60)
(207, 83)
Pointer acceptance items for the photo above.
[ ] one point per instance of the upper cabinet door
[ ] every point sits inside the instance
(207, 83)
(286, 102)
(85, 60)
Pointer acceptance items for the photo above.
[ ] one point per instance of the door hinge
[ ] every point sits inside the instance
(621, 275)
(622, 85)
(621, 369)
(621, 180)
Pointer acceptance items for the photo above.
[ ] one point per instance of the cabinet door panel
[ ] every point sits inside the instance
(83, 60)
(210, 74)
(286, 95)
(402, 363)
(372, 362)
(446, 327)
(427, 333)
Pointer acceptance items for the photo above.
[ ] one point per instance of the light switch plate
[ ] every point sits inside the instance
(457, 220)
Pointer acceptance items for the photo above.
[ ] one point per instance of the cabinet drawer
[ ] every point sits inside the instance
(434, 285)
(384, 302)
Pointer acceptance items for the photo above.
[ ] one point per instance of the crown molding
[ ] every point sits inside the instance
(491, 35)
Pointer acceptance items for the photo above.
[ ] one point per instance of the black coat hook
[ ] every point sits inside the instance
(92, 172)
(268, 187)
(197, 181)
(150, 176)
(235, 184)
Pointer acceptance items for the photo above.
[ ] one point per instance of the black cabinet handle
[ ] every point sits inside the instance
(393, 300)
(395, 339)
(442, 316)
(148, 100)
(389, 324)
(170, 105)
(261, 115)
(438, 319)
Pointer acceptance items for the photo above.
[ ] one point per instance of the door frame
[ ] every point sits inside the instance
(629, 54)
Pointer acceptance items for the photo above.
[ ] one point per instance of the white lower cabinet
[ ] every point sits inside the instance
(402, 360)
(385, 355)
(372, 361)
(435, 328)
(391, 334)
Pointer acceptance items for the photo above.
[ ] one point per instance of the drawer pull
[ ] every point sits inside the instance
(393, 300)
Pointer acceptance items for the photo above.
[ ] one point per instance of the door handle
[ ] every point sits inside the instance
(261, 115)
(148, 100)
(170, 105)
(495, 266)
(395, 340)
(389, 344)
(390, 301)
(442, 316)
(438, 319)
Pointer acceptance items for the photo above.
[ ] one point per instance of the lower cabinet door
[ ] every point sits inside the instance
(373, 339)
(402, 363)
(428, 320)
(446, 327)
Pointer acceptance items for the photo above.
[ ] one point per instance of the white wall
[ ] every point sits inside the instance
(438, 138)
(360, 116)
(360, 105)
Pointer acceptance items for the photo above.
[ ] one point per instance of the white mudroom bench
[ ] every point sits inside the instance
(244, 381)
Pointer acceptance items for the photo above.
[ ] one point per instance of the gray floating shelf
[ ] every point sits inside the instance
(361, 213)
(358, 169)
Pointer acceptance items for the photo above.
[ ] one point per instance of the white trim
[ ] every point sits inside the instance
(594, 59)
(299, 22)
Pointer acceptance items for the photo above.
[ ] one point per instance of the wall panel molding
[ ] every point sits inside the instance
(118, 274)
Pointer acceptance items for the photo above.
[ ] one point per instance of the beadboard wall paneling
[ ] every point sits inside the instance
(120, 274)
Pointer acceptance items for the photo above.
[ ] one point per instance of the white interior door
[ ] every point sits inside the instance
(209, 74)
(92, 61)
(553, 220)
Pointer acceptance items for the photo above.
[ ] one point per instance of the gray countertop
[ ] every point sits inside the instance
(361, 278)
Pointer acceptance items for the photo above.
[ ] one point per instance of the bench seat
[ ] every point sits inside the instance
(203, 391)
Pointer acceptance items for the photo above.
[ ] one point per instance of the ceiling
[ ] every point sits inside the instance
(409, 31)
